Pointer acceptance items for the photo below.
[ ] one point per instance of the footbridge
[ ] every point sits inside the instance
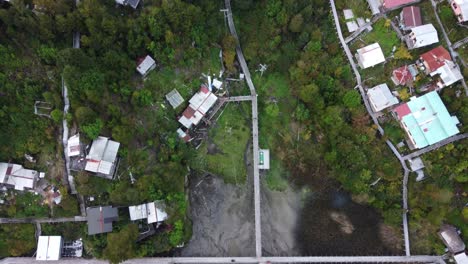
(262, 260)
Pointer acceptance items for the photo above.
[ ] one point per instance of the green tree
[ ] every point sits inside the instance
(352, 99)
(229, 52)
(402, 53)
(93, 130)
(295, 25)
(121, 245)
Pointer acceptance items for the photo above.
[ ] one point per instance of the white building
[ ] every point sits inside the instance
(16, 176)
(449, 74)
(146, 65)
(102, 157)
(380, 97)
(200, 104)
(460, 8)
(174, 98)
(73, 146)
(370, 56)
(154, 212)
(49, 248)
(422, 36)
(264, 159)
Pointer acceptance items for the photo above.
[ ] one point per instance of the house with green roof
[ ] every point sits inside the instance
(426, 120)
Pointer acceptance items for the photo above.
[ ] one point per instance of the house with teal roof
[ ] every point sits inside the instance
(426, 120)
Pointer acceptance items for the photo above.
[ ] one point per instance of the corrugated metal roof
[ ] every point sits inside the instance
(73, 146)
(102, 155)
(451, 238)
(429, 121)
(100, 219)
(174, 98)
(370, 55)
(49, 248)
(3, 171)
(381, 97)
(424, 35)
(146, 65)
(412, 16)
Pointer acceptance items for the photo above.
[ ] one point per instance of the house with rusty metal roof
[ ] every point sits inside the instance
(404, 75)
(438, 63)
(410, 17)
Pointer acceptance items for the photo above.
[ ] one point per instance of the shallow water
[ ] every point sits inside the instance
(319, 234)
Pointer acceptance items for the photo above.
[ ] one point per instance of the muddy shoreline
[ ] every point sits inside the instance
(294, 222)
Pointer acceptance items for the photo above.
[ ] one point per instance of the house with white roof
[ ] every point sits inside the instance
(146, 65)
(17, 177)
(460, 9)
(421, 36)
(449, 74)
(199, 106)
(49, 248)
(380, 97)
(153, 212)
(102, 157)
(426, 120)
(174, 98)
(73, 146)
(370, 56)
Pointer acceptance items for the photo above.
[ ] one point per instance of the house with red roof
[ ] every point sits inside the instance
(394, 4)
(438, 63)
(404, 75)
(435, 58)
(410, 17)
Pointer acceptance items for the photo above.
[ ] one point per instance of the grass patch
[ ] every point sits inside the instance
(223, 154)
(385, 36)
(393, 131)
(450, 22)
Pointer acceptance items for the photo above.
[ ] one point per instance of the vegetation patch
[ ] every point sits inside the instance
(223, 152)
(381, 33)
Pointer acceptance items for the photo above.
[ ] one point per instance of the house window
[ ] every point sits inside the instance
(454, 5)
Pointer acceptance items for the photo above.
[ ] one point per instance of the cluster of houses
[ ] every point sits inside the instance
(99, 220)
(459, 7)
(425, 119)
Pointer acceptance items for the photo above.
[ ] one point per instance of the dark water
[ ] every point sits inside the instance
(318, 234)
